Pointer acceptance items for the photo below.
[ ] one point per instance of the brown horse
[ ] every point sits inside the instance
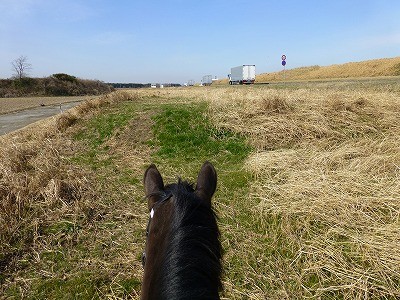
(182, 258)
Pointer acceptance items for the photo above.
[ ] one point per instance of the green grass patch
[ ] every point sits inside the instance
(102, 127)
(80, 286)
(62, 227)
(185, 138)
(184, 133)
(98, 130)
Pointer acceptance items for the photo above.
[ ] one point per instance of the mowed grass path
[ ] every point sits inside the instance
(93, 249)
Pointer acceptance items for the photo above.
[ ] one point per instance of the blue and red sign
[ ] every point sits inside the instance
(283, 60)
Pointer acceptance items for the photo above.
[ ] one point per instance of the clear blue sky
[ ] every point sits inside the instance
(178, 40)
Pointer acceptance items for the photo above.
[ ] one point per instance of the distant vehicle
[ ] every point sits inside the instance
(245, 74)
(207, 80)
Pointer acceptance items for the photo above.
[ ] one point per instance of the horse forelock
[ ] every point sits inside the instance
(192, 258)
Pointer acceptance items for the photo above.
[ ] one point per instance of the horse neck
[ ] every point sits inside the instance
(185, 264)
(191, 265)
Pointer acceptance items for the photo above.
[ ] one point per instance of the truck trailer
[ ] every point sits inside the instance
(207, 80)
(244, 74)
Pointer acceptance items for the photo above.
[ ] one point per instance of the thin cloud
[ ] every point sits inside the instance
(12, 8)
(111, 38)
(72, 11)
(60, 10)
(382, 40)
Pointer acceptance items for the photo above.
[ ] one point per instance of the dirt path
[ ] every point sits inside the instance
(16, 113)
(16, 120)
(8, 105)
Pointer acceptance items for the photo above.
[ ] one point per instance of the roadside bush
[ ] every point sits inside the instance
(56, 85)
(5, 88)
(64, 77)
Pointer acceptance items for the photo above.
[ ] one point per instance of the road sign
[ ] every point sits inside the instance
(284, 68)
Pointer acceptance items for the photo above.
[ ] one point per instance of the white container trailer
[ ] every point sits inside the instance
(245, 74)
(207, 80)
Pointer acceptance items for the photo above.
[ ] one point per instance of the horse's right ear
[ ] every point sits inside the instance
(153, 185)
(206, 183)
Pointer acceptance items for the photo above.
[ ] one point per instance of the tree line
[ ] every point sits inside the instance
(59, 84)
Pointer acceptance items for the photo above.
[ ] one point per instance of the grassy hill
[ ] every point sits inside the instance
(363, 69)
(369, 68)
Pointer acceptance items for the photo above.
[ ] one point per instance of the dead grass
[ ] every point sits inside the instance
(45, 198)
(302, 115)
(325, 191)
(324, 221)
(370, 68)
(327, 172)
(36, 189)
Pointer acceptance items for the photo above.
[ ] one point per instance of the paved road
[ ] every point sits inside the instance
(13, 121)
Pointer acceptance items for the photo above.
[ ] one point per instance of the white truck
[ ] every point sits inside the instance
(207, 80)
(244, 74)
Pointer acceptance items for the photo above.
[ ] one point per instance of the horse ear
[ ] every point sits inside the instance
(153, 185)
(206, 182)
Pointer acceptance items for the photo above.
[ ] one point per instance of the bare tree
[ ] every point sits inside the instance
(21, 67)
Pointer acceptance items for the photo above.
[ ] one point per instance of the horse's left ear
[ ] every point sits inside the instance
(153, 185)
(206, 183)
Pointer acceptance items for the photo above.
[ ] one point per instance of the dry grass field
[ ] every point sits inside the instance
(308, 194)
(385, 67)
(370, 68)
(327, 166)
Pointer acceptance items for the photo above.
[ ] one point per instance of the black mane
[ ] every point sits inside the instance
(192, 268)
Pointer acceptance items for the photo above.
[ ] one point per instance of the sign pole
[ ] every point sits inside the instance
(284, 67)
(284, 73)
